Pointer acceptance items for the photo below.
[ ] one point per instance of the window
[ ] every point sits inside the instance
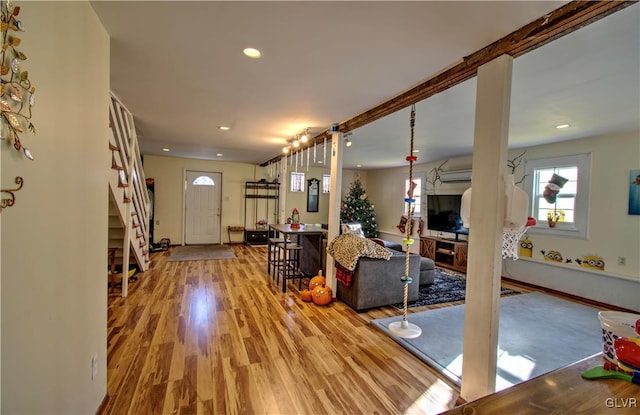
(203, 181)
(326, 183)
(559, 187)
(297, 182)
(416, 195)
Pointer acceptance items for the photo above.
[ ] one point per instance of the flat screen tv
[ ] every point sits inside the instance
(443, 214)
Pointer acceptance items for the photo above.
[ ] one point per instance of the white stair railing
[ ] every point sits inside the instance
(128, 187)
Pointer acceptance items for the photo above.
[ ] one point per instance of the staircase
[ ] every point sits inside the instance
(129, 207)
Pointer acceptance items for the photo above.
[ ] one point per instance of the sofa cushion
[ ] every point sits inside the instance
(427, 271)
(393, 245)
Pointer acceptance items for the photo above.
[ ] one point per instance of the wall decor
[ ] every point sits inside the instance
(634, 192)
(16, 91)
(514, 163)
(9, 201)
(433, 177)
(313, 190)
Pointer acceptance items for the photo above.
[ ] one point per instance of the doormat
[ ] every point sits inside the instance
(447, 287)
(537, 334)
(201, 253)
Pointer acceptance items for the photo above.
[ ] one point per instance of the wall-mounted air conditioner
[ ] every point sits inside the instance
(455, 176)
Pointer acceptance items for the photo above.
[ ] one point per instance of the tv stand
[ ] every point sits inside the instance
(446, 253)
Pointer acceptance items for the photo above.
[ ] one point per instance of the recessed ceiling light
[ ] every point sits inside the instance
(224, 128)
(252, 53)
(219, 154)
(561, 126)
(358, 165)
(165, 149)
(416, 151)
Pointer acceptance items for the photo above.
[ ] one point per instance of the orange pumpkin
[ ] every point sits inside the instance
(317, 281)
(322, 295)
(305, 295)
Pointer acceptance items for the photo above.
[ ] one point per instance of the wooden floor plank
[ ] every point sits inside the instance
(219, 337)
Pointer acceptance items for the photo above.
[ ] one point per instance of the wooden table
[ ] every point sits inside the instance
(562, 391)
(304, 231)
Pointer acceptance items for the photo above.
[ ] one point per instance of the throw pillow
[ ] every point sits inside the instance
(354, 228)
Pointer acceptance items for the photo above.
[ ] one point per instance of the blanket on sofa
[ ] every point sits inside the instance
(343, 275)
(347, 248)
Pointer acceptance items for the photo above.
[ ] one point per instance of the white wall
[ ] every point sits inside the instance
(168, 196)
(54, 240)
(612, 232)
(168, 172)
(299, 200)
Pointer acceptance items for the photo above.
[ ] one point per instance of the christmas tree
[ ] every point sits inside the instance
(356, 208)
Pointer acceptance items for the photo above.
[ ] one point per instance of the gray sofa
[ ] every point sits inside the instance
(377, 282)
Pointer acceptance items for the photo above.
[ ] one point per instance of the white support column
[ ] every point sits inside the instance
(335, 197)
(484, 264)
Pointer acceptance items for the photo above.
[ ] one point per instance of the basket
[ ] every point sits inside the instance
(511, 239)
(616, 324)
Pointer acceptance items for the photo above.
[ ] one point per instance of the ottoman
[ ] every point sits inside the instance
(427, 271)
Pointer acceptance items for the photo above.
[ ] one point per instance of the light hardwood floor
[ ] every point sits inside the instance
(218, 337)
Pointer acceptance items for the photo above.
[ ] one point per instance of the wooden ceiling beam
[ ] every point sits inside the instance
(560, 22)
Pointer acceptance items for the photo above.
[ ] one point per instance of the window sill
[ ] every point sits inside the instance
(568, 232)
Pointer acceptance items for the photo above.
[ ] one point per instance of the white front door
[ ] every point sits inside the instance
(202, 207)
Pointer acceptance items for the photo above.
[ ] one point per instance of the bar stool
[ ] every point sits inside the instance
(273, 260)
(289, 264)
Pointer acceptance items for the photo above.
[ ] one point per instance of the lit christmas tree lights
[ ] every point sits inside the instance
(356, 208)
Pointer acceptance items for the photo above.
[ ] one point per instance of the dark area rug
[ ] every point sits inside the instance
(447, 287)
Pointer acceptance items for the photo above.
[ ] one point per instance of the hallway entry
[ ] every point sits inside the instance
(203, 193)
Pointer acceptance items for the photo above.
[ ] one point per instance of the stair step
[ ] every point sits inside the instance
(114, 222)
(116, 233)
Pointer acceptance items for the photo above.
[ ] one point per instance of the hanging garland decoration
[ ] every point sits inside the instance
(16, 91)
(404, 328)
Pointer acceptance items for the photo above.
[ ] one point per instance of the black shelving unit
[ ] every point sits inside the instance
(261, 202)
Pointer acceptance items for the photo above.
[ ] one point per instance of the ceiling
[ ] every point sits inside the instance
(179, 68)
